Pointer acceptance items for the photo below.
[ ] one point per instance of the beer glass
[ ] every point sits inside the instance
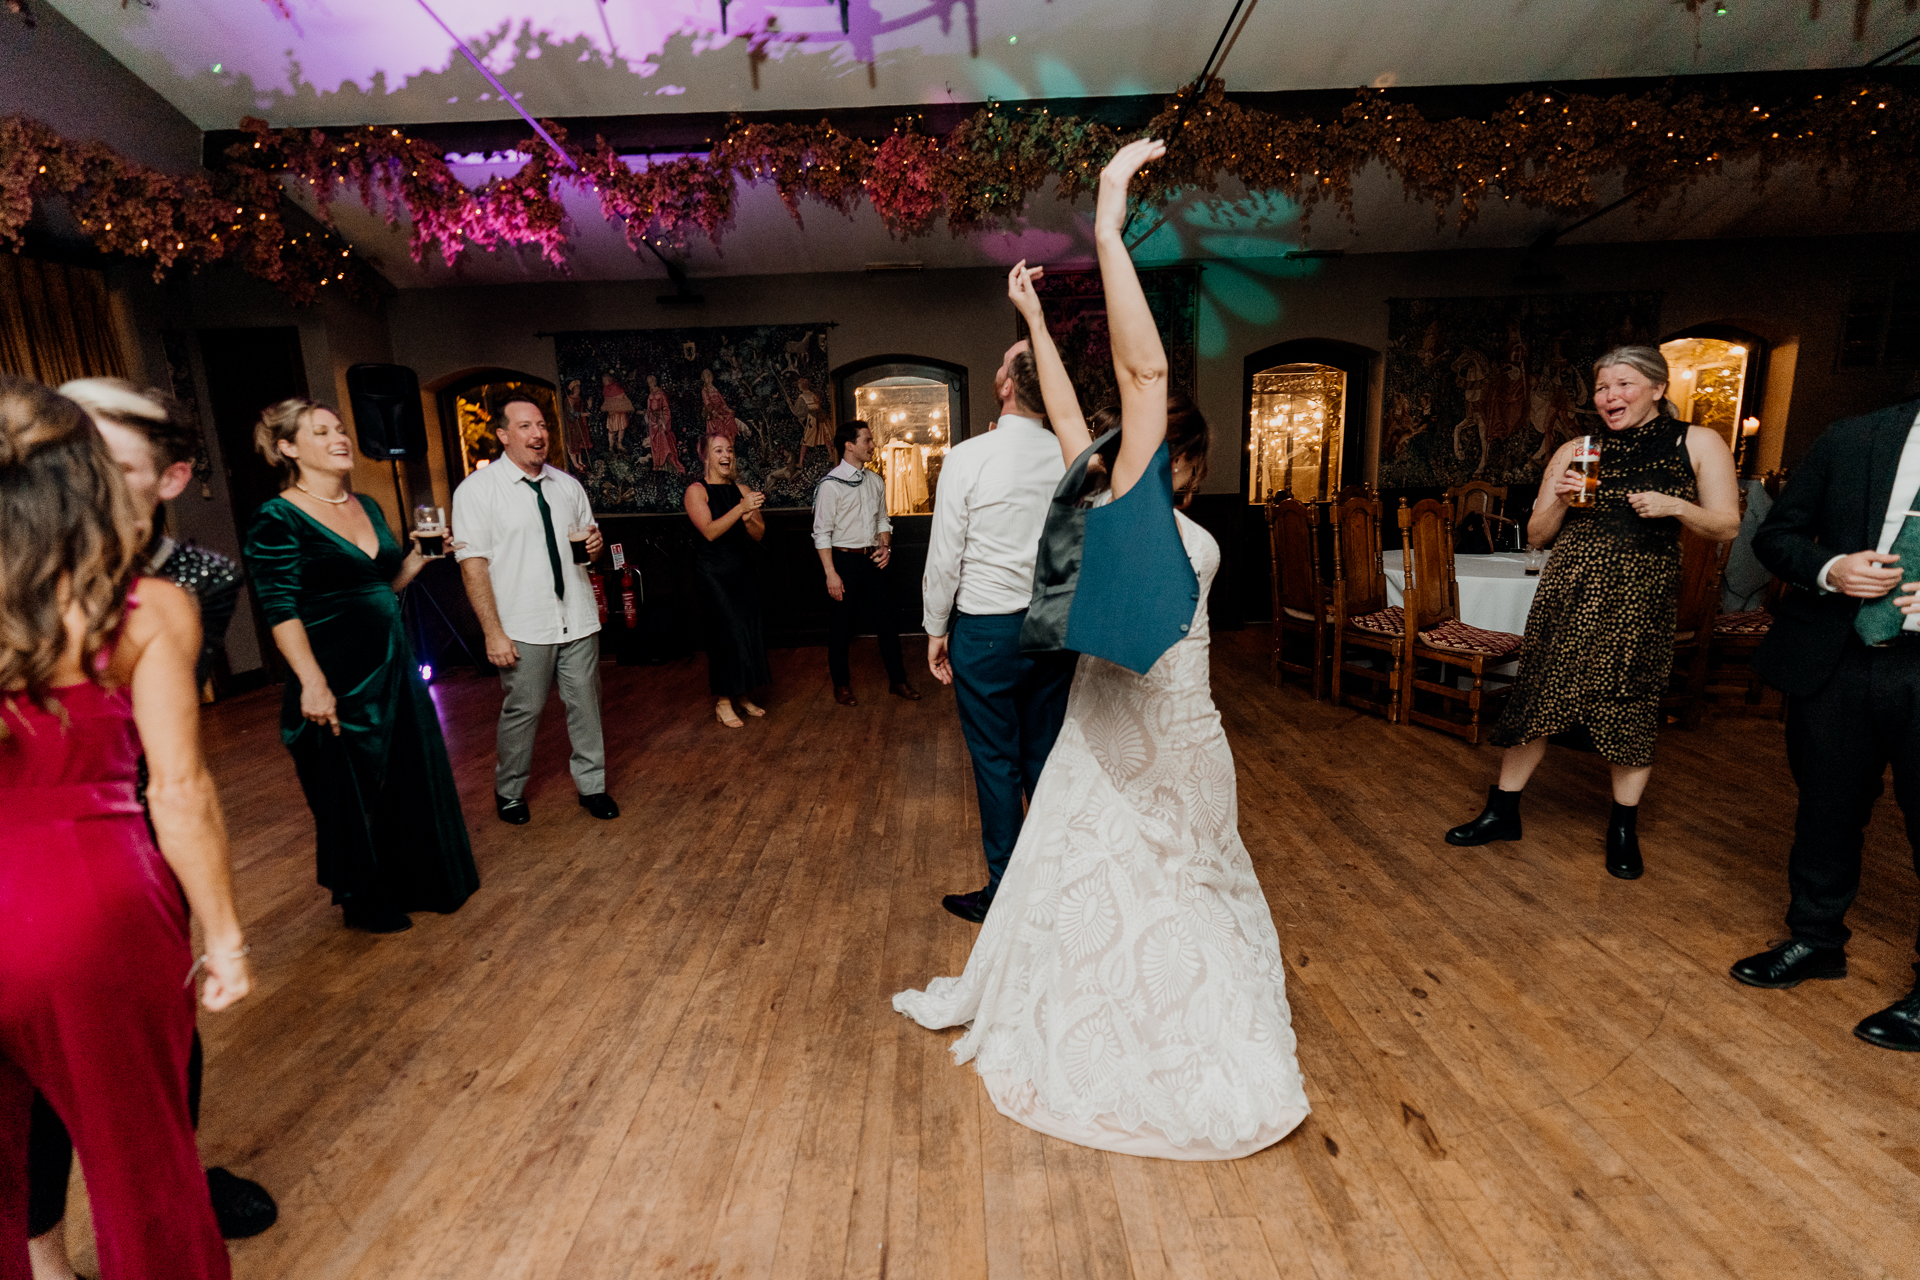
(431, 524)
(577, 537)
(1585, 463)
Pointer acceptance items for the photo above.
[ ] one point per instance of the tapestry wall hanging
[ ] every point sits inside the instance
(1487, 388)
(1077, 319)
(639, 403)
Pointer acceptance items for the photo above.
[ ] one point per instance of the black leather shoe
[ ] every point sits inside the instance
(1790, 964)
(905, 690)
(600, 805)
(241, 1206)
(1895, 1027)
(514, 810)
(843, 695)
(371, 919)
(1623, 843)
(969, 906)
(1500, 820)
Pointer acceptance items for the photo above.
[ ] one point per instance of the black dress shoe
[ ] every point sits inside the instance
(907, 691)
(368, 918)
(1500, 820)
(241, 1206)
(969, 906)
(600, 805)
(514, 810)
(1895, 1027)
(1623, 842)
(1790, 964)
(844, 696)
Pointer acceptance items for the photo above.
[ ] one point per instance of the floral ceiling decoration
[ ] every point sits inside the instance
(1549, 151)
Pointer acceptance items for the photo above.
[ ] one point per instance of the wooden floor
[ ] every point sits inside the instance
(663, 1045)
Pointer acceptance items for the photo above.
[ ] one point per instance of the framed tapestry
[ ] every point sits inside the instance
(1488, 388)
(1077, 318)
(639, 403)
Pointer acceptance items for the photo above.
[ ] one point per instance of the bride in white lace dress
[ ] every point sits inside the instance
(1126, 991)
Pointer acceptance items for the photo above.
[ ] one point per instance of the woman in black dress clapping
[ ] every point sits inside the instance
(727, 515)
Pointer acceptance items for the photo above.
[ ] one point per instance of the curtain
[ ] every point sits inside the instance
(56, 322)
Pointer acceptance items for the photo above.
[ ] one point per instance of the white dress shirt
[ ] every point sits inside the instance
(497, 516)
(1906, 483)
(989, 511)
(850, 509)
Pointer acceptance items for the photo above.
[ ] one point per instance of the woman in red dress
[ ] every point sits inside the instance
(94, 1012)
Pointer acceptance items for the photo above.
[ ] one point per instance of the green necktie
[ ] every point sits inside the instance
(1880, 620)
(553, 548)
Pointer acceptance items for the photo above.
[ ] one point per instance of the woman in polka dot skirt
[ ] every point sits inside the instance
(1600, 635)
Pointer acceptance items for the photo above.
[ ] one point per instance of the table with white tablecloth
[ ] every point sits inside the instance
(1495, 591)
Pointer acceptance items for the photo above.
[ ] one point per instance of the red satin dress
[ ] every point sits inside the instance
(94, 1007)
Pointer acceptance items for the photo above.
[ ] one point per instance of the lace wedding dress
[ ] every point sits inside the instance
(1126, 990)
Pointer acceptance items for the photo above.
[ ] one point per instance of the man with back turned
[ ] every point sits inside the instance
(511, 522)
(1845, 648)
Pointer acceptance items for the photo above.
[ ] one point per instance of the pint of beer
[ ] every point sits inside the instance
(430, 523)
(578, 537)
(1586, 463)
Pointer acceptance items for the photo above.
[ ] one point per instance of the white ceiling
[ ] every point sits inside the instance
(385, 61)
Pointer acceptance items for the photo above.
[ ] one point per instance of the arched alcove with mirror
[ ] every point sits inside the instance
(1718, 379)
(917, 409)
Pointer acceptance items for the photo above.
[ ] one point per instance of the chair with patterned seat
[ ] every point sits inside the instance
(1302, 606)
(1441, 649)
(1368, 639)
(1730, 686)
(1703, 564)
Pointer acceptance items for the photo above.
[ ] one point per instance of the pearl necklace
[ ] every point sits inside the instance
(338, 502)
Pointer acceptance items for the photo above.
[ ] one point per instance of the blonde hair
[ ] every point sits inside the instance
(152, 412)
(69, 538)
(280, 422)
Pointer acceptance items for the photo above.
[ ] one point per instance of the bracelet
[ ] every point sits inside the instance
(201, 963)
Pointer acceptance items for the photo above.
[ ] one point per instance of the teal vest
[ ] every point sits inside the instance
(1112, 581)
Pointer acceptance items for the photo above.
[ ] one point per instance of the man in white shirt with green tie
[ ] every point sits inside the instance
(536, 606)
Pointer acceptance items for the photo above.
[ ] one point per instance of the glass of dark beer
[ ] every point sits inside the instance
(577, 537)
(430, 523)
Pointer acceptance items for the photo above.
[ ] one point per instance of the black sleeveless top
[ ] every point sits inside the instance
(732, 548)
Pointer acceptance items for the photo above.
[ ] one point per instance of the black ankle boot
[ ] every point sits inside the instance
(1500, 820)
(1623, 842)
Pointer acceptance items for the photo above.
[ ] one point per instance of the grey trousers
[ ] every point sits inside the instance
(577, 664)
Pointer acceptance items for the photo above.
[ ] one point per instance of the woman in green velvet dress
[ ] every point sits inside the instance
(357, 719)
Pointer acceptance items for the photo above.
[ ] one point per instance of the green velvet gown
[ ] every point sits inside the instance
(385, 809)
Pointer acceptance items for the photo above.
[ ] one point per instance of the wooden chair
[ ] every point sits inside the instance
(1703, 564)
(1436, 636)
(1476, 496)
(1362, 618)
(1301, 604)
(1730, 686)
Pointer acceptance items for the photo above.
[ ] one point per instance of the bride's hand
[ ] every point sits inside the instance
(1111, 212)
(1020, 290)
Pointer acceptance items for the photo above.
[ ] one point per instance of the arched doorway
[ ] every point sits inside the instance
(467, 402)
(1718, 376)
(1304, 410)
(917, 408)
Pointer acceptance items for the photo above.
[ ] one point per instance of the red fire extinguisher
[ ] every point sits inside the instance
(628, 606)
(599, 595)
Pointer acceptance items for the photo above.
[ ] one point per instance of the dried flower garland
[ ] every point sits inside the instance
(1549, 151)
(142, 213)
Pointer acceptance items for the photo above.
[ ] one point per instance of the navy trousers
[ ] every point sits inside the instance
(1011, 706)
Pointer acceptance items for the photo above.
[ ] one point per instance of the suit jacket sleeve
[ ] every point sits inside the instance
(1787, 541)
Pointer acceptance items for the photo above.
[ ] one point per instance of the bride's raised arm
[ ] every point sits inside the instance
(1139, 359)
(1056, 388)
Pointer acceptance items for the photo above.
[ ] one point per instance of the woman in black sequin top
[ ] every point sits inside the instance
(1600, 634)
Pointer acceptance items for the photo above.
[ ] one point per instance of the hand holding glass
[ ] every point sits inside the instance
(578, 536)
(430, 531)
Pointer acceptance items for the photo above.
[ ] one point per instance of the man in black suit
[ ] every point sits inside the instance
(1853, 707)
